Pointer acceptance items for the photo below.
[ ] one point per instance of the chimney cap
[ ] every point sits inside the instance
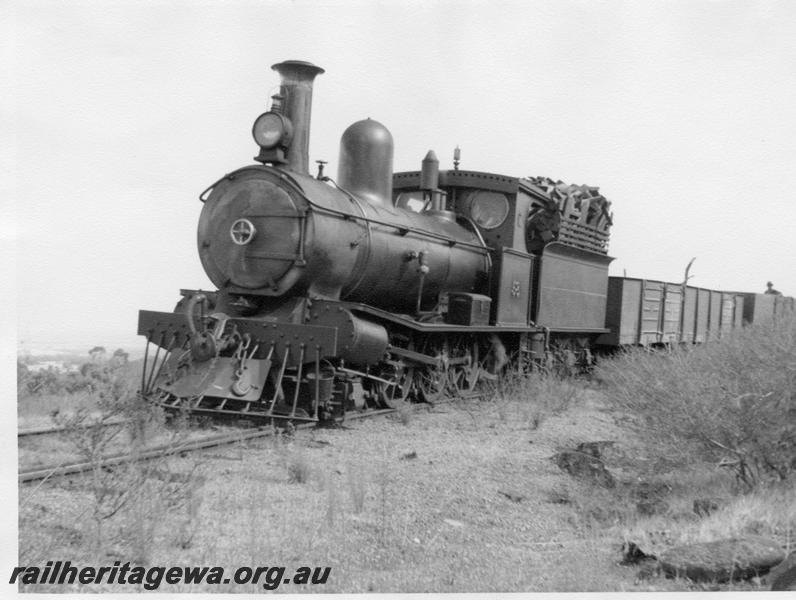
(301, 65)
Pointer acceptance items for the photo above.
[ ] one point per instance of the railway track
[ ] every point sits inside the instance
(36, 431)
(59, 470)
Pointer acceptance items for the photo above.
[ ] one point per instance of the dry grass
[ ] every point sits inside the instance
(526, 400)
(357, 487)
(770, 513)
(731, 402)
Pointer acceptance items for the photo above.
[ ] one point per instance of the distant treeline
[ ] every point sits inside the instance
(99, 369)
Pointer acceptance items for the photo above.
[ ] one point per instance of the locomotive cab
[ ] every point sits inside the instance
(548, 242)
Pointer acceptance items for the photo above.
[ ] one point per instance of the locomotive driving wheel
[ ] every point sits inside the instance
(431, 381)
(464, 369)
(399, 376)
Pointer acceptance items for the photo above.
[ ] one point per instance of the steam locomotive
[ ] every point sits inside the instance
(373, 288)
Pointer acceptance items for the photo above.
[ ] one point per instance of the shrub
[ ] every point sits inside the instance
(111, 489)
(530, 398)
(298, 467)
(357, 487)
(732, 402)
(405, 413)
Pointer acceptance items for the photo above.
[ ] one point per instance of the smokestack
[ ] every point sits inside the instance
(296, 91)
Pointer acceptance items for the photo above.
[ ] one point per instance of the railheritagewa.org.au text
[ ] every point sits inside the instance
(151, 578)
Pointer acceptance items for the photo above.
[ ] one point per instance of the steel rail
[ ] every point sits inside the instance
(168, 449)
(60, 429)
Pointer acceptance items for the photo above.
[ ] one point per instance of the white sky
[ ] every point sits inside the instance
(121, 113)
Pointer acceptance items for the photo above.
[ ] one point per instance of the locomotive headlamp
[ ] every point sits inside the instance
(271, 130)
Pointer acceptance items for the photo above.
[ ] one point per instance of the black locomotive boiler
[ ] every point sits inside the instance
(360, 291)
